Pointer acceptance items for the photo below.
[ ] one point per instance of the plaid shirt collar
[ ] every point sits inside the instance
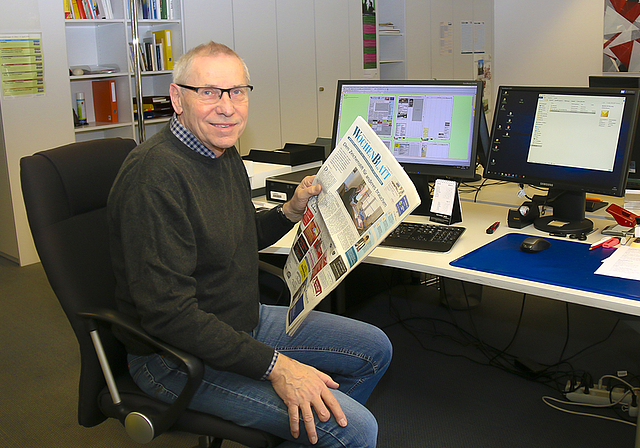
(186, 136)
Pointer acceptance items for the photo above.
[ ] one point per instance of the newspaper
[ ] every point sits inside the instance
(365, 195)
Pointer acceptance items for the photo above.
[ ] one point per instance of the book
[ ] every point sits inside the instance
(105, 104)
(68, 11)
(163, 10)
(108, 12)
(78, 10)
(87, 9)
(160, 55)
(164, 36)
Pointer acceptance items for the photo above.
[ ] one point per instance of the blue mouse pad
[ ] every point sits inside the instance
(566, 263)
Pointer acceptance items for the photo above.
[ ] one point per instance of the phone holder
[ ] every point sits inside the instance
(523, 215)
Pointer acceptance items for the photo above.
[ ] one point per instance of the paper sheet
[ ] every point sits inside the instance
(623, 263)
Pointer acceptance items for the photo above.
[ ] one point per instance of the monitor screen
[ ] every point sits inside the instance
(628, 82)
(572, 140)
(430, 126)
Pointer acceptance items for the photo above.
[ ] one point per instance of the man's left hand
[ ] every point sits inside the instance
(294, 208)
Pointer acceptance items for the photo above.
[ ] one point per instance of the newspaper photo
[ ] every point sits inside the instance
(365, 195)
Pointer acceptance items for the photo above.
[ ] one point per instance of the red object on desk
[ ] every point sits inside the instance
(623, 217)
(606, 243)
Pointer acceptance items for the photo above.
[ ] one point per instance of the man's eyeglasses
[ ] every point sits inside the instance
(212, 95)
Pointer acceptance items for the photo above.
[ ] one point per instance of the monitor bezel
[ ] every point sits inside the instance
(431, 170)
(621, 171)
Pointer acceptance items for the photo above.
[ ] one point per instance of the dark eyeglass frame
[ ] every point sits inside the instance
(195, 89)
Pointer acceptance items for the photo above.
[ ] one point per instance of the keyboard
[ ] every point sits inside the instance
(423, 236)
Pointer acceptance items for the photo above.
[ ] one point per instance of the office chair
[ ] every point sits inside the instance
(65, 192)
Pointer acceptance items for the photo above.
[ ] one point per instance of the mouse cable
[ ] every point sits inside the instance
(515, 333)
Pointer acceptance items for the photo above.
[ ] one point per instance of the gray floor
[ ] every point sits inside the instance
(437, 392)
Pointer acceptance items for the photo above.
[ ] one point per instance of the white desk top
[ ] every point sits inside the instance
(477, 216)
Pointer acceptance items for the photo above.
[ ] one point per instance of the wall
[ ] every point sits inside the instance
(424, 56)
(31, 123)
(547, 42)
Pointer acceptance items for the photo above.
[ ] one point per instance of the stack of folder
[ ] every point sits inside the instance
(157, 106)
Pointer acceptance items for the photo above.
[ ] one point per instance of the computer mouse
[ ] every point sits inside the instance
(534, 244)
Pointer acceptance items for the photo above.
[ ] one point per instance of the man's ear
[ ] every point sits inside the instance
(176, 99)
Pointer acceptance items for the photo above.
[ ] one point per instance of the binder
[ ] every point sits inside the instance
(105, 104)
(164, 37)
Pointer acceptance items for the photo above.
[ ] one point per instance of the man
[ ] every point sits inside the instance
(185, 238)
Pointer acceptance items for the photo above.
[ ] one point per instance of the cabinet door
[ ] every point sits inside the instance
(210, 20)
(333, 56)
(256, 42)
(297, 69)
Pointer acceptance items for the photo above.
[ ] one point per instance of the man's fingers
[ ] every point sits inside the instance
(334, 407)
(309, 423)
(294, 421)
(320, 408)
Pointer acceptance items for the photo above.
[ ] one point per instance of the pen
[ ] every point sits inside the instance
(492, 228)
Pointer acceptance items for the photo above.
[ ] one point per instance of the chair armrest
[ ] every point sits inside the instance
(276, 273)
(193, 364)
(271, 269)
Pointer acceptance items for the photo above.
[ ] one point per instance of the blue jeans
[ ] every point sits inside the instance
(354, 354)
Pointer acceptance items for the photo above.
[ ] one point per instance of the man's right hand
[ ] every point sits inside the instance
(302, 388)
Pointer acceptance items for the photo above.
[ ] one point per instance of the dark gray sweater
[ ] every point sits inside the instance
(184, 237)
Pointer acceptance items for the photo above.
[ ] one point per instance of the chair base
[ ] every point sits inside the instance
(209, 442)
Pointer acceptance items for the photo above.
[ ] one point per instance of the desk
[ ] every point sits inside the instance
(479, 211)
(477, 216)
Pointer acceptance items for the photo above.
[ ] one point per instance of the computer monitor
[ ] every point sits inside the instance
(624, 82)
(484, 140)
(430, 126)
(572, 140)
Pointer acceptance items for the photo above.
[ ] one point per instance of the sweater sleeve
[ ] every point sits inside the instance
(271, 227)
(160, 258)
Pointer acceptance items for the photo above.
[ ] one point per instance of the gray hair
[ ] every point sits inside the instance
(182, 67)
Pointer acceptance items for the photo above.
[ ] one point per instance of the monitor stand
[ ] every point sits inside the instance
(568, 213)
(421, 183)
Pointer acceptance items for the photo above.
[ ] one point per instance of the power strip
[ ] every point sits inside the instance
(598, 395)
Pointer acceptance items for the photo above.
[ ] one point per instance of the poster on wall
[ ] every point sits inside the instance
(471, 37)
(621, 36)
(370, 48)
(484, 74)
(446, 39)
(21, 64)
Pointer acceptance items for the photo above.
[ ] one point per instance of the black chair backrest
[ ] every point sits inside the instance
(65, 192)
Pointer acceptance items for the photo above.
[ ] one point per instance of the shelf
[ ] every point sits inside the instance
(97, 76)
(100, 126)
(394, 61)
(148, 121)
(156, 72)
(155, 21)
(90, 22)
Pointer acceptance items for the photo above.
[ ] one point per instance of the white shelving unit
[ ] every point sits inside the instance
(106, 42)
(392, 44)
